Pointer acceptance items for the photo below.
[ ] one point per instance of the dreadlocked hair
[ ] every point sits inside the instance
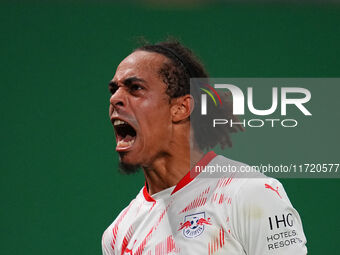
(176, 74)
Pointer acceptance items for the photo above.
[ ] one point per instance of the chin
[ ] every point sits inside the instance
(127, 166)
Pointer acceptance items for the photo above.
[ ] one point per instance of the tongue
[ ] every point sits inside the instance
(128, 138)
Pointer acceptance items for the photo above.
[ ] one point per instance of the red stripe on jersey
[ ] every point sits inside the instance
(192, 174)
(217, 242)
(224, 182)
(126, 241)
(143, 244)
(148, 236)
(166, 247)
(154, 203)
(221, 199)
(115, 228)
(197, 202)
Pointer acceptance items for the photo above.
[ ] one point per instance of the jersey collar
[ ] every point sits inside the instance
(187, 178)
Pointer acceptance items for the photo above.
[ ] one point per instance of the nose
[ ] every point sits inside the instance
(118, 99)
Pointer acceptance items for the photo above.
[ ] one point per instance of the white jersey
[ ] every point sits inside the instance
(230, 216)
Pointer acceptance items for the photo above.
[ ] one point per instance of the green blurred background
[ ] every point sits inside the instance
(60, 187)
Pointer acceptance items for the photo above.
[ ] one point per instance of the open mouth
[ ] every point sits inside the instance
(125, 134)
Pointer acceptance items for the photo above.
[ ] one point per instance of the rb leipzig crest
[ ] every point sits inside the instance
(193, 224)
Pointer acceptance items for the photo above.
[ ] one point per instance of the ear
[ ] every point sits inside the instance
(181, 107)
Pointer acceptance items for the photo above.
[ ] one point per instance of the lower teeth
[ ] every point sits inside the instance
(125, 144)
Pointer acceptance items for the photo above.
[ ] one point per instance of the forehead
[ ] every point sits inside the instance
(141, 64)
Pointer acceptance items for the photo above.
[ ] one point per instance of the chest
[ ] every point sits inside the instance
(195, 225)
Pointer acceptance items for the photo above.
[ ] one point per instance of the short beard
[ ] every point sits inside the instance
(125, 168)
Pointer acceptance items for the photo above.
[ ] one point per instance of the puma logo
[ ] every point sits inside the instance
(267, 186)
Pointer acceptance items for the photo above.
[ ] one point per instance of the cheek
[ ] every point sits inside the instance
(154, 110)
(153, 115)
(156, 121)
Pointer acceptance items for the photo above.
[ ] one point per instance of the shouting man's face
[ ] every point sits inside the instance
(140, 110)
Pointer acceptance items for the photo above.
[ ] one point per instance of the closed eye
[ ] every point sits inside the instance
(112, 90)
(113, 87)
(131, 83)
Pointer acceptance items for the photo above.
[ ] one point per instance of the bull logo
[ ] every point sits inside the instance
(193, 225)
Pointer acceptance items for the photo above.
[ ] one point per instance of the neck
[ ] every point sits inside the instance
(167, 170)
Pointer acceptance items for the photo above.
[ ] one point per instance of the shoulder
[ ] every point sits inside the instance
(224, 161)
(264, 191)
(249, 185)
(110, 235)
(253, 193)
(131, 207)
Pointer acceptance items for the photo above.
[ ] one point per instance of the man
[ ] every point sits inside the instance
(177, 212)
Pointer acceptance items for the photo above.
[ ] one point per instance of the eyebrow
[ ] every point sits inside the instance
(127, 81)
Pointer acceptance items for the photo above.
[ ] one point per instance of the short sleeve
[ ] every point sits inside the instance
(266, 222)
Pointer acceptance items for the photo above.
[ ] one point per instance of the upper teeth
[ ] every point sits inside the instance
(118, 122)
